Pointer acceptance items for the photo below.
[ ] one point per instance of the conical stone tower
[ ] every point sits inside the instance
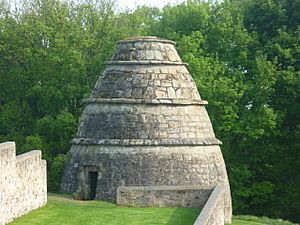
(145, 124)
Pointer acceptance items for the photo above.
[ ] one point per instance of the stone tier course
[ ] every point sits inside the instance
(146, 49)
(172, 82)
(150, 122)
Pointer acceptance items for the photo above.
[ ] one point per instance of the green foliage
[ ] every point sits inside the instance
(249, 220)
(243, 55)
(57, 131)
(56, 170)
(52, 53)
(33, 142)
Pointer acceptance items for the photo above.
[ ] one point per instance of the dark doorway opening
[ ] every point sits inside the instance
(93, 184)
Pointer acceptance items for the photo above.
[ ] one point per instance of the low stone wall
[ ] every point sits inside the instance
(210, 198)
(163, 196)
(23, 182)
(214, 211)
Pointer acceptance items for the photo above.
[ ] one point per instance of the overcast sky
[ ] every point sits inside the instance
(132, 4)
(124, 4)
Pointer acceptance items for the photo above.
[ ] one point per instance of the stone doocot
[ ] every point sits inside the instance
(145, 124)
(23, 182)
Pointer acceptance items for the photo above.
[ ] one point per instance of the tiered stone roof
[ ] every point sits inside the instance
(145, 71)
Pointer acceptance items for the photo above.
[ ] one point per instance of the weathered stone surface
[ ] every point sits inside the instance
(144, 125)
(138, 121)
(143, 166)
(142, 82)
(163, 196)
(146, 48)
(214, 211)
(23, 182)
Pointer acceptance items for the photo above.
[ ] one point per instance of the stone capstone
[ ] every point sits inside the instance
(144, 124)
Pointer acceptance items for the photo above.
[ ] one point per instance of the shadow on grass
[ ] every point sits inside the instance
(184, 216)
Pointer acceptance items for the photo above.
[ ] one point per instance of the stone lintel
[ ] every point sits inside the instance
(147, 142)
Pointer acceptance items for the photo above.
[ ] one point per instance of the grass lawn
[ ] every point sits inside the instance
(65, 211)
(253, 220)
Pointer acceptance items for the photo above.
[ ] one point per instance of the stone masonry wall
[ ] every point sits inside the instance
(146, 82)
(151, 49)
(214, 211)
(211, 199)
(164, 196)
(144, 166)
(163, 123)
(23, 182)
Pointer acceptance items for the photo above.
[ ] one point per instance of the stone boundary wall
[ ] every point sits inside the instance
(23, 182)
(210, 198)
(163, 196)
(213, 212)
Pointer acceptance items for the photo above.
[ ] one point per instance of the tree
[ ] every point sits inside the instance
(243, 55)
(249, 72)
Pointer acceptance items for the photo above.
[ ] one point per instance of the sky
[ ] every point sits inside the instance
(122, 5)
(132, 4)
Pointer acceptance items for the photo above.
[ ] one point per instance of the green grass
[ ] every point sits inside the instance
(253, 220)
(62, 210)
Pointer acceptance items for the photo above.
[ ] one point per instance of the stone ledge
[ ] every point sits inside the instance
(145, 142)
(164, 188)
(145, 62)
(144, 101)
(146, 39)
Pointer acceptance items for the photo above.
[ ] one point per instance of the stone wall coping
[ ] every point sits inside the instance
(146, 62)
(145, 142)
(210, 205)
(28, 155)
(7, 145)
(145, 101)
(164, 188)
(146, 39)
